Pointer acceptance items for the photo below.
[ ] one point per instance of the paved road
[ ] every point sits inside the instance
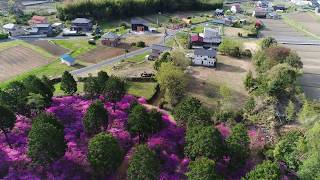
(88, 69)
(307, 48)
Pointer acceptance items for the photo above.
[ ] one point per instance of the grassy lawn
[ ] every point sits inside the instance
(120, 30)
(59, 92)
(197, 29)
(145, 89)
(182, 39)
(54, 69)
(5, 45)
(199, 19)
(78, 46)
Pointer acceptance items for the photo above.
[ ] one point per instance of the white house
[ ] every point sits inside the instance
(68, 60)
(210, 35)
(13, 30)
(205, 57)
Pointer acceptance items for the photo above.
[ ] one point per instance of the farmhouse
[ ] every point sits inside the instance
(13, 29)
(110, 39)
(157, 49)
(41, 29)
(38, 20)
(260, 13)
(57, 26)
(68, 60)
(139, 25)
(205, 57)
(81, 24)
(211, 36)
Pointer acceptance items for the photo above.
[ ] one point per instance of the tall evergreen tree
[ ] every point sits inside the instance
(7, 121)
(68, 84)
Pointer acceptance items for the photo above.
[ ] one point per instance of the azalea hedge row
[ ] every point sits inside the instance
(107, 10)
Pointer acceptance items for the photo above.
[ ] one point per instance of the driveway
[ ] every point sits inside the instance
(307, 48)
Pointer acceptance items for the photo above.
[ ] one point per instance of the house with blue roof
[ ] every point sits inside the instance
(68, 60)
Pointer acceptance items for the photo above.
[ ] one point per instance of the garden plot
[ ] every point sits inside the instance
(147, 38)
(278, 28)
(307, 21)
(19, 59)
(103, 52)
(50, 47)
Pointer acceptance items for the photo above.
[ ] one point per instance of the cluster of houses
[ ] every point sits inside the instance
(200, 57)
(265, 9)
(209, 38)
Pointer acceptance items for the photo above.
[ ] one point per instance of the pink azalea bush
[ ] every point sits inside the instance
(15, 164)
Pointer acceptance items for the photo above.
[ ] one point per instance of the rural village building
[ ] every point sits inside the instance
(68, 60)
(219, 12)
(223, 21)
(205, 57)
(139, 25)
(38, 20)
(110, 39)
(157, 49)
(81, 24)
(260, 13)
(41, 29)
(13, 29)
(211, 36)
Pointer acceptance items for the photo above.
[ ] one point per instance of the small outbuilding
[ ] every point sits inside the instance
(139, 25)
(219, 12)
(81, 24)
(13, 29)
(110, 39)
(68, 60)
(157, 49)
(41, 29)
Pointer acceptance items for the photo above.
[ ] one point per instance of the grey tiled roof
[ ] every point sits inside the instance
(81, 21)
(205, 52)
(139, 21)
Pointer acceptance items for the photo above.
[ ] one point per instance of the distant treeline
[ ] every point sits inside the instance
(116, 9)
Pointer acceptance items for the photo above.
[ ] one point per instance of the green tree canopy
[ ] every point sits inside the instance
(115, 89)
(185, 109)
(286, 149)
(34, 85)
(68, 84)
(7, 121)
(238, 145)
(141, 123)
(144, 164)
(268, 42)
(91, 87)
(104, 154)
(46, 140)
(202, 169)
(95, 118)
(173, 81)
(267, 170)
(14, 96)
(102, 79)
(203, 141)
(230, 47)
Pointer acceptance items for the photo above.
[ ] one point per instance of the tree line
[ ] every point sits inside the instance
(116, 9)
